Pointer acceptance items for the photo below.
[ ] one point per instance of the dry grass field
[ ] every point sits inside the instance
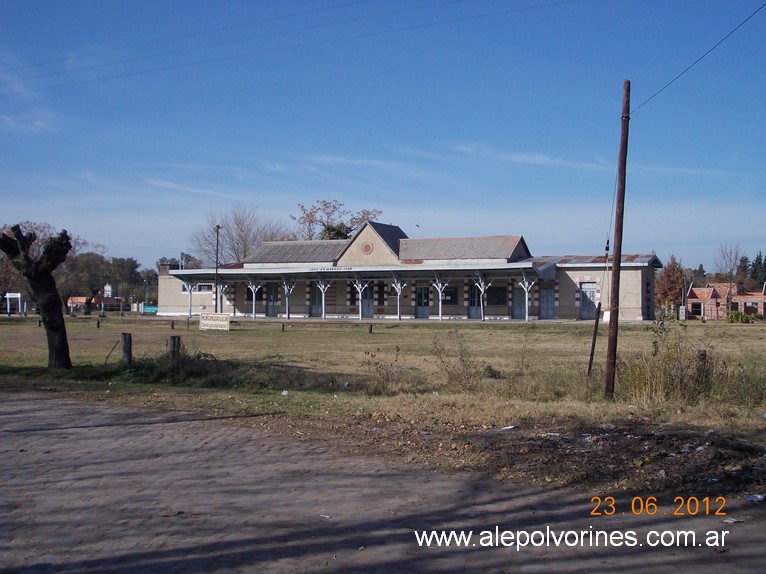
(445, 394)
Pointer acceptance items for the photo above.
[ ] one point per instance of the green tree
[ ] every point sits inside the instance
(670, 284)
(91, 271)
(124, 276)
(187, 261)
(758, 271)
(149, 285)
(697, 276)
(742, 275)
(337, 231)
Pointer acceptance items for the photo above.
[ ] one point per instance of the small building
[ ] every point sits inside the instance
(711, 302)
(382, 273)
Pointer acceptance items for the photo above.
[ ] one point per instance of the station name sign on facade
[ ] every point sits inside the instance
(214, 321)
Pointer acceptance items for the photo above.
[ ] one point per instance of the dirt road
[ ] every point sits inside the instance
(90, 487)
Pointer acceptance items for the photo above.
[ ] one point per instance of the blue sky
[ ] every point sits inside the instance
(127, 122)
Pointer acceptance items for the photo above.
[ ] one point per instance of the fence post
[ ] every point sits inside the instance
(127, 349)
(175, 346)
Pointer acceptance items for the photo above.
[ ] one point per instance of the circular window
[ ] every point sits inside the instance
(367, 248)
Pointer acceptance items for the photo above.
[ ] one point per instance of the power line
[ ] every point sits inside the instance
(233, 41)
(300, 45)
(183, 36)
(690, 66)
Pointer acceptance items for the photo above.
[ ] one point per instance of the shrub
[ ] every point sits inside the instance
(738, 317)
(185, 366)
(681, 372)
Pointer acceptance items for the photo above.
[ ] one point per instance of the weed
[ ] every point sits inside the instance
(678, 371)
(490, 372)
(460, 370)
(389, 377)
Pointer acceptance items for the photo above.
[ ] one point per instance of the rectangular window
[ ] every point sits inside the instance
(352, 294)
(449, 296)
(497, 296)
(381, 290)
(696, 309)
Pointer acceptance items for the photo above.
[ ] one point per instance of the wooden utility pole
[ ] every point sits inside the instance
(614, 305)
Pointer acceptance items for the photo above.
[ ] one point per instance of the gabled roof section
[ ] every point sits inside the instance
(724, 287)
(505, 247)
(316, 251)
(703, 293)
(390, 234)
(374, 244)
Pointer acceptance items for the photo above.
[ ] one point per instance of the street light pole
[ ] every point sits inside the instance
(215, 286)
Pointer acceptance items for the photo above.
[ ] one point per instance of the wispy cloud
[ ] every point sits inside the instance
(422, 154)
(527, 158)
(181, 187)
(544, 160)
(26, 112)
(671, 170)
(354, 162)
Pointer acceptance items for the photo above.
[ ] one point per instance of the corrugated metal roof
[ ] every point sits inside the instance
(493, 247)
(318, 251)
(641, 259)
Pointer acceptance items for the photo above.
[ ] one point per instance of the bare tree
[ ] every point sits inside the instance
(726, 263)
(10, 278)
(241, 231)
(328, 219)
(38, 271)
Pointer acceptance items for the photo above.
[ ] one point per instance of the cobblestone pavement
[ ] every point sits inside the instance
(90, 487)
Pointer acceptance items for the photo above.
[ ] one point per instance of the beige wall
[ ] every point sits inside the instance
(173, 300)
(378, 252)
(634, 292)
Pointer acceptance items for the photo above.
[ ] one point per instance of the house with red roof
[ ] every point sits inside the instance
(712, 301)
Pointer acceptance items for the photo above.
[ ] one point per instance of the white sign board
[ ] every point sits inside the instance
(214, 321)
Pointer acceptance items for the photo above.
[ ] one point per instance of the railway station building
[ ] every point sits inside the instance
(380, 273)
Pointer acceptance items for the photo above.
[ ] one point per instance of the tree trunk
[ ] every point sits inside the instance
(45, 295)
(39, 274)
